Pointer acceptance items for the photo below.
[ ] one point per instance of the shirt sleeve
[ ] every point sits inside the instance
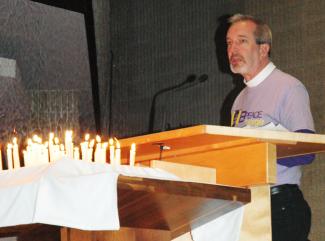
(297, 160)
(295, 111)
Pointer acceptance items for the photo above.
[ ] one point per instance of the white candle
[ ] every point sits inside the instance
(111, 151)
(56, 149)
(1, 167)
(28, 153)
(103, 152)
(117, 158)
(76, 154)
(36, 151)
(68, 144)
(98, 149)
(44, 153)
(84, 149)
(90, 150)
(51, 153)
(132, 154)
(9, 156)
(56, 152)
(26, 158)
(97, 153)
(15, 153)
(61, 152)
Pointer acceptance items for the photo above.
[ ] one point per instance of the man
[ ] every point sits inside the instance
(272, 97)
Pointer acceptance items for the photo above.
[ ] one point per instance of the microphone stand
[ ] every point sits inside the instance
(189, 79)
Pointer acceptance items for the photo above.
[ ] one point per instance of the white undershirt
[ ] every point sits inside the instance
(261, 76)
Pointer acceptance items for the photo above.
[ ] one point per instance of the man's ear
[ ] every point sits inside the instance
(264, 50)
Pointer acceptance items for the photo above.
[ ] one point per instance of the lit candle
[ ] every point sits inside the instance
(61, 152)
(90, 150)
(36, 150)
(9, 156)
(98, 150)
(44, 153)
(117, 158)
(56, 149)
(132, 154)
(76, 154)
(15, 153)
(84, 148)
(103, 152)
(27, 153)
(111, 151)
(51, 153)
(1, 167)
(68, 144)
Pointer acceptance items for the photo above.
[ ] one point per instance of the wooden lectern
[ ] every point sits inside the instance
(241, 157)
(242, 162)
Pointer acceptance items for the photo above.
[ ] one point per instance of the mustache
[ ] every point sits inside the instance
(236, 56)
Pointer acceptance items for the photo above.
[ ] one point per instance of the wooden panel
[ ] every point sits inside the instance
(241, 166)
(188, 173)
(257, 216)
(154, 204)
(32, 232)
(124, 234)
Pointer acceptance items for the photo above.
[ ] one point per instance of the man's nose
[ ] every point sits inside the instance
(233, 48)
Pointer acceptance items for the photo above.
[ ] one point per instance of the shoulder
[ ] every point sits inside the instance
(285, 80)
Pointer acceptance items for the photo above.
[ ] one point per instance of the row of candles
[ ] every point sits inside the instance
(37, 152)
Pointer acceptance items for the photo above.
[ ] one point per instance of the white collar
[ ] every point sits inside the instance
(261, 76)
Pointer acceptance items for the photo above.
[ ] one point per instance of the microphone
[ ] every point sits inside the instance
(203, 78)
(191, 82)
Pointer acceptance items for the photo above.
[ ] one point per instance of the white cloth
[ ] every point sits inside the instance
(225, 228)
(83, 195)
(68, 193)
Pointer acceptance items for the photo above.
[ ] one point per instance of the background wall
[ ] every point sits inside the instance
(155, 45)
(50, 48)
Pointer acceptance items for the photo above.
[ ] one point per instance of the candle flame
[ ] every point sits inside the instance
(92, 143)
(56, 141)
(111, 142)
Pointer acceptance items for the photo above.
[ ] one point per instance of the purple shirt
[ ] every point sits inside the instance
(280, 99)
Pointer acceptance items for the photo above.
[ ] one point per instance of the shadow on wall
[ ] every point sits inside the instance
(223, 65)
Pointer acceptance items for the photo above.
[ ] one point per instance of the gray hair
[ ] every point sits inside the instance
(263, 33)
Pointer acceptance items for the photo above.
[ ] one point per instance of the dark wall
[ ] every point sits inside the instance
(157, 45)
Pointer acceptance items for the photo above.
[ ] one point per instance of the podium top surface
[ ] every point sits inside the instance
(205, 137)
